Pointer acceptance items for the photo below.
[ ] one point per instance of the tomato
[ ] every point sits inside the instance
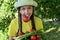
(32, 30)
(33, 37)
(20, 34)
(26, 19)
(38, 36)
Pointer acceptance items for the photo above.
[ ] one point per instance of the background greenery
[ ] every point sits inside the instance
(47, 10)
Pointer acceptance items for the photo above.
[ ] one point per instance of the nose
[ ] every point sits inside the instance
(26, 11)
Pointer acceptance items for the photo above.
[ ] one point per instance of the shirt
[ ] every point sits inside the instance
(26, 26)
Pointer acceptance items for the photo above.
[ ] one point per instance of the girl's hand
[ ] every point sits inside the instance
(32, 30)
(11, 38)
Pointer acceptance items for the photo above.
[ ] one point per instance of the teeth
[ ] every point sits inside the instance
(26, 15)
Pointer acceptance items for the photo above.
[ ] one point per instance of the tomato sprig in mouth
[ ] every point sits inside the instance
(26, 19)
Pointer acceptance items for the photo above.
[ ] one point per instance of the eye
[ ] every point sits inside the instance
(22, 8)
(30, 8)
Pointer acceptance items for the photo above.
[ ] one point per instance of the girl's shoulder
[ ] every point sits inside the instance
(15, 20)
(37, 18)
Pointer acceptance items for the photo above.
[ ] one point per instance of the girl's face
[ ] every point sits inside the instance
(26, 11)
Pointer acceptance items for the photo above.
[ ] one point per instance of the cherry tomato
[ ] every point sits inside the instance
(33, 37)
(32, 30)
(26, 19)
(38, 36)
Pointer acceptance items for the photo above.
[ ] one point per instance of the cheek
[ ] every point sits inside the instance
(31, 12)
(22, 12)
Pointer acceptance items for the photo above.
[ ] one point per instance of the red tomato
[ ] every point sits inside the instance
(38, 36)
(26, 19)
(20, 34)
(33, 37)
(32, 30)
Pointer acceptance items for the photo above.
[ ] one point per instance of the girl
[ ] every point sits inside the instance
(26, 21)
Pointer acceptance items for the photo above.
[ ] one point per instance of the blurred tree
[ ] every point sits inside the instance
(48, 8)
